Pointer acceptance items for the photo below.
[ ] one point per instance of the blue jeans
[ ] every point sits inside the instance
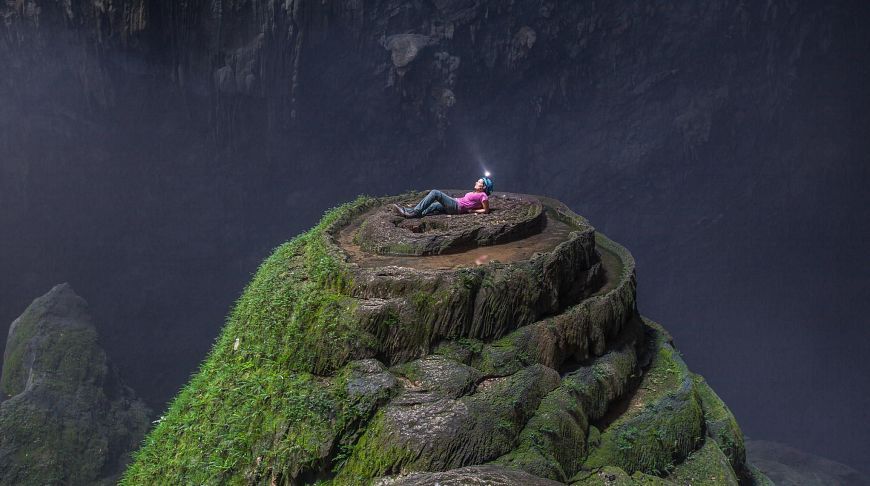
(436, 202)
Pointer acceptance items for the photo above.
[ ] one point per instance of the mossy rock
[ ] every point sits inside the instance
(438, 376)
(336, 370)
(577, 334)
(554, 441)
(721, 426)
(53, 335)
(70, 419)
(442, 433)
(707, 466)
(274, 400)
(659, 424)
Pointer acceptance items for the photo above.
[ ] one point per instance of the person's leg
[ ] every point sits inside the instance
(434, 208)
(435, 196)
(426, 201)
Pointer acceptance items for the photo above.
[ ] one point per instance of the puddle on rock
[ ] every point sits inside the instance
(554, 232)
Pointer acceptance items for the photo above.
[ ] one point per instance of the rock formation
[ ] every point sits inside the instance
(787, 466)
(525, 362)
(684, 126)
(69, 419)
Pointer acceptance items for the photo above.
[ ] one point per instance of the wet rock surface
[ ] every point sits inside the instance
(511, 217)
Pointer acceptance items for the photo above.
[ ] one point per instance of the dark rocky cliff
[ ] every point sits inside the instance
(728, 114)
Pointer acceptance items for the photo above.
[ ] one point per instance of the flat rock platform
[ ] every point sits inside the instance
(512, 217)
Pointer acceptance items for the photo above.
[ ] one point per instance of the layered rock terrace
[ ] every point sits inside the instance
(455, 348)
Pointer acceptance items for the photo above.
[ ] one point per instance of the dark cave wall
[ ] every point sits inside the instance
(154, 152)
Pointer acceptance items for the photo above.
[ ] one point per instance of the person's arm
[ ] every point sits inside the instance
(485, 207)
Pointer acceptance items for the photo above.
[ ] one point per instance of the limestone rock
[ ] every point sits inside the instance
(405, 48)
(534, 367)
(511, 218)
(69, 420)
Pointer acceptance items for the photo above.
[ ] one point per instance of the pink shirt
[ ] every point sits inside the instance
(471, 201)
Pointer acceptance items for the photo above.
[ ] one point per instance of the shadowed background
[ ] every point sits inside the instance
(152, 155)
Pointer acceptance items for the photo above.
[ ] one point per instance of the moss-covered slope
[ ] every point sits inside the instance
(334, 370)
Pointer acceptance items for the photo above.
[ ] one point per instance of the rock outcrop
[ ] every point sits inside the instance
(787, 466)
(69, 418)
(709, 112)
(530, 366)
(516, 218)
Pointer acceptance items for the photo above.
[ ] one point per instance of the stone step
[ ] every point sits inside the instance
(553, 442)
(442, 433)
(406, 328)
(409, 309)
(657, 425)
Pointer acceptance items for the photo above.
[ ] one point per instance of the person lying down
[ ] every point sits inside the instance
(436, 202)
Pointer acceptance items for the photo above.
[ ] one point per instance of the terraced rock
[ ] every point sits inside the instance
(658, 424)
(511, 217)
(511, 361)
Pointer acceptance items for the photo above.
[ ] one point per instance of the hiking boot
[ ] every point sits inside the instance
(405, 212)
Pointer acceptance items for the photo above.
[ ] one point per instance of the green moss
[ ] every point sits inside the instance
(557, 429)
(356, 238)
(373, 456)
(661, 425)
(707, 466)
(625, 258)
(462, 350)
(59, 449)
(255, 409)
(384, 324)
(554, 441)
(14, 373)
(409, 370)
(423, 301)
(502, 357)
(400, 249)
(69, 353)
(468, 279)
(470, 430)
(722, 427)
(425, 306)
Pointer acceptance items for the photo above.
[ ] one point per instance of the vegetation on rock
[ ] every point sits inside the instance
(332, 371)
